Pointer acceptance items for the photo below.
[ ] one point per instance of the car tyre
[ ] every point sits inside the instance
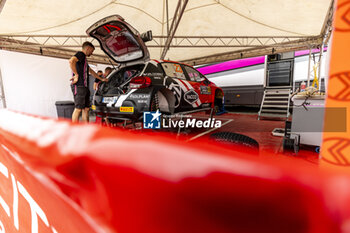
(154, 103)
(234, 138)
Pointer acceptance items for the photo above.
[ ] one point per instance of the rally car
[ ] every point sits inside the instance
(140, 84)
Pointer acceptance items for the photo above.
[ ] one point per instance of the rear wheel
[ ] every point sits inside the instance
(157, 104)
(234, 138)
(154, 103)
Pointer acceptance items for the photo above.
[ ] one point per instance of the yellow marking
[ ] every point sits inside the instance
(126, 109)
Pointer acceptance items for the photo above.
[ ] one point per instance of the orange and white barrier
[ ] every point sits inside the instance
(335, 149)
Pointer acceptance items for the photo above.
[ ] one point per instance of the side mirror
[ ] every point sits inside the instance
(147, 36)
(206, 81)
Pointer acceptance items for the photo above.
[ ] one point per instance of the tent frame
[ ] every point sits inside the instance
(64, 46)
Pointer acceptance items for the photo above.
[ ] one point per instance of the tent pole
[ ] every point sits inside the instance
(308, 69)
(320, 66)
(2, 4)
(167, 17)
(2, 92)
(180, 9)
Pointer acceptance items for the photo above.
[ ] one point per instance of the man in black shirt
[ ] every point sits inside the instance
(80, 81)
(100, 74)
(108, 70)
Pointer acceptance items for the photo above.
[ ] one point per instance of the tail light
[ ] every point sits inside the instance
(140, 82)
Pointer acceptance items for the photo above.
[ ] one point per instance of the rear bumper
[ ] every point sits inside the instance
(132, 106)
(121, 112)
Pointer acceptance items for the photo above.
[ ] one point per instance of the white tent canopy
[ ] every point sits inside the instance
(202, 29)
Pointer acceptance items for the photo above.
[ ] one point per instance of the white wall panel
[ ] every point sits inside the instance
(33, 83)
(253, 75)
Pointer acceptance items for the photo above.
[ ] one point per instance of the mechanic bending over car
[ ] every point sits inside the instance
(80, 81)
(100, 74)
(108, 70)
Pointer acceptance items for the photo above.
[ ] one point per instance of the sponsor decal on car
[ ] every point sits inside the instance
(142, 101)
(153, 74)
(206, 105)
(191, 96)
(205, 90)
(139, 96)
(110, 101)
(126, 109)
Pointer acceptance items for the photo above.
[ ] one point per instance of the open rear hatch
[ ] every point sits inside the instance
(119, 40)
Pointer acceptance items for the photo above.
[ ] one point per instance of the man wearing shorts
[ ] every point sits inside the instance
(80, 81)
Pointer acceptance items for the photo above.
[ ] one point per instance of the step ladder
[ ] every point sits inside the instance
(275, 103)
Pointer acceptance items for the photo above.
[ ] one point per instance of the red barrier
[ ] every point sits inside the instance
(62, 177)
